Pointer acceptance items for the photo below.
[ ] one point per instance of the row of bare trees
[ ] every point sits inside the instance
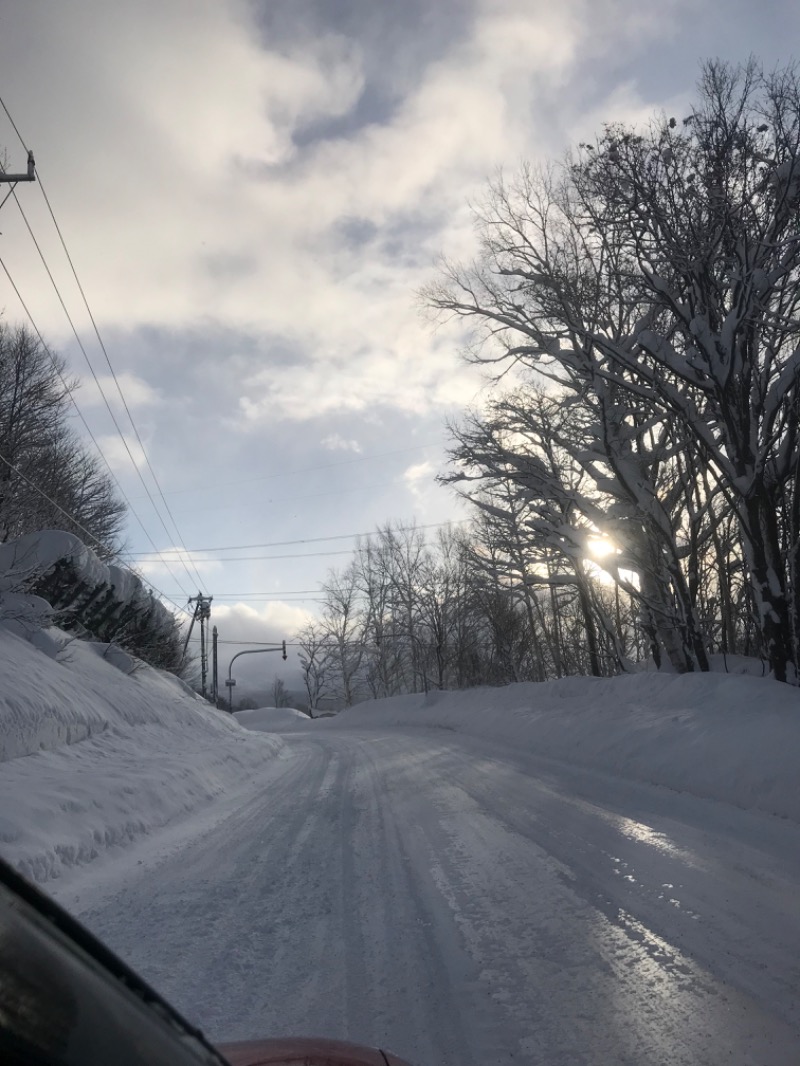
(647, 290)
(411, 615)
(637, 489)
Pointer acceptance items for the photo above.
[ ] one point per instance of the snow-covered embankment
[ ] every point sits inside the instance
(98, 750)
(723, 737)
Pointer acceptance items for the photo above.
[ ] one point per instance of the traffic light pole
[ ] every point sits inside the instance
(250, 651)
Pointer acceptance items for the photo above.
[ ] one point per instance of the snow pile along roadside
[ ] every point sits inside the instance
(724, 737)
(98, 750)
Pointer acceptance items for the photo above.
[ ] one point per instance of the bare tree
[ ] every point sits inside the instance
(47, 478)
(658, 272)
(279, 694)
(316, 659)
(343, 626)
(559, 485)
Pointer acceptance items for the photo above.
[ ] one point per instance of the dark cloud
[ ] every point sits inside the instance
(200, 373)
(396, 42)
(410, 32)
(356, 232)
(405, 239)
(229, 266)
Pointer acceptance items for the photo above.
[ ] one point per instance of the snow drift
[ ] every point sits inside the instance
(722, 737)
(28, 559)
(53, 577)
(98, 750)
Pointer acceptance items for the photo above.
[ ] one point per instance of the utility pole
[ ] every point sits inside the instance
(214, 675)
(202, 613)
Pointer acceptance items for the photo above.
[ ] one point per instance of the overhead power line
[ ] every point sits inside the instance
(100, 388)
(116, 381)
(249, 643)
(70, 393)
(277, 595)
(53, 503)
(82, 528)
(273, 500)
(13, 124)
(256, 558)
(311, 469)
(256, 600)
(311, 540)
(289, 592)
(88, 361)
(261, 597)
(91, 369)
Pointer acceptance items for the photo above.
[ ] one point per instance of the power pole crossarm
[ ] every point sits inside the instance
(30, 176)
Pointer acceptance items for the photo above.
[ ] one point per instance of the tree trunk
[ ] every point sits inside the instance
(767, 581)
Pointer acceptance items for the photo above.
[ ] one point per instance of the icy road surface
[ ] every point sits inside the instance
(459, 904)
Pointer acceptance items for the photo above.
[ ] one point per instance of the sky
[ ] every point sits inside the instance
(252, 193)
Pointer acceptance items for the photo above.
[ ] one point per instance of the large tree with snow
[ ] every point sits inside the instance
(658, 270)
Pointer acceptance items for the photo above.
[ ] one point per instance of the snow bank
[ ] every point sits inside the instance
(30, 556)
(735, 739)
(97, 750)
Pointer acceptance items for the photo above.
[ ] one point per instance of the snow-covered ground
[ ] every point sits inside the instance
(725, 737)
(98, 751)
(730, 738)
(464, 903)
(583, 871)
(270, 719)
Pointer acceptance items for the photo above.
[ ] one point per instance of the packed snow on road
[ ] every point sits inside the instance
(581, 871)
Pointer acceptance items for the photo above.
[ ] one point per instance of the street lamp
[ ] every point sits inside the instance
(250, 651)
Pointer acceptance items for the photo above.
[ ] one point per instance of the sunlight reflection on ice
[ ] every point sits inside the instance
(643, 833)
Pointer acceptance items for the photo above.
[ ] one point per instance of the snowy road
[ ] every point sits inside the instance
(466, 905)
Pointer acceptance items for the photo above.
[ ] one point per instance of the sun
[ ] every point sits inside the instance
(599, 547)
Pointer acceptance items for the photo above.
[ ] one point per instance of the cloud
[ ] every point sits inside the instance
(273, 622)
(197, 194)
(122, 452)
(335, 443)
(363, 382)
(157, 566)
(418, 472)
(420, 482)
(137, 392)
